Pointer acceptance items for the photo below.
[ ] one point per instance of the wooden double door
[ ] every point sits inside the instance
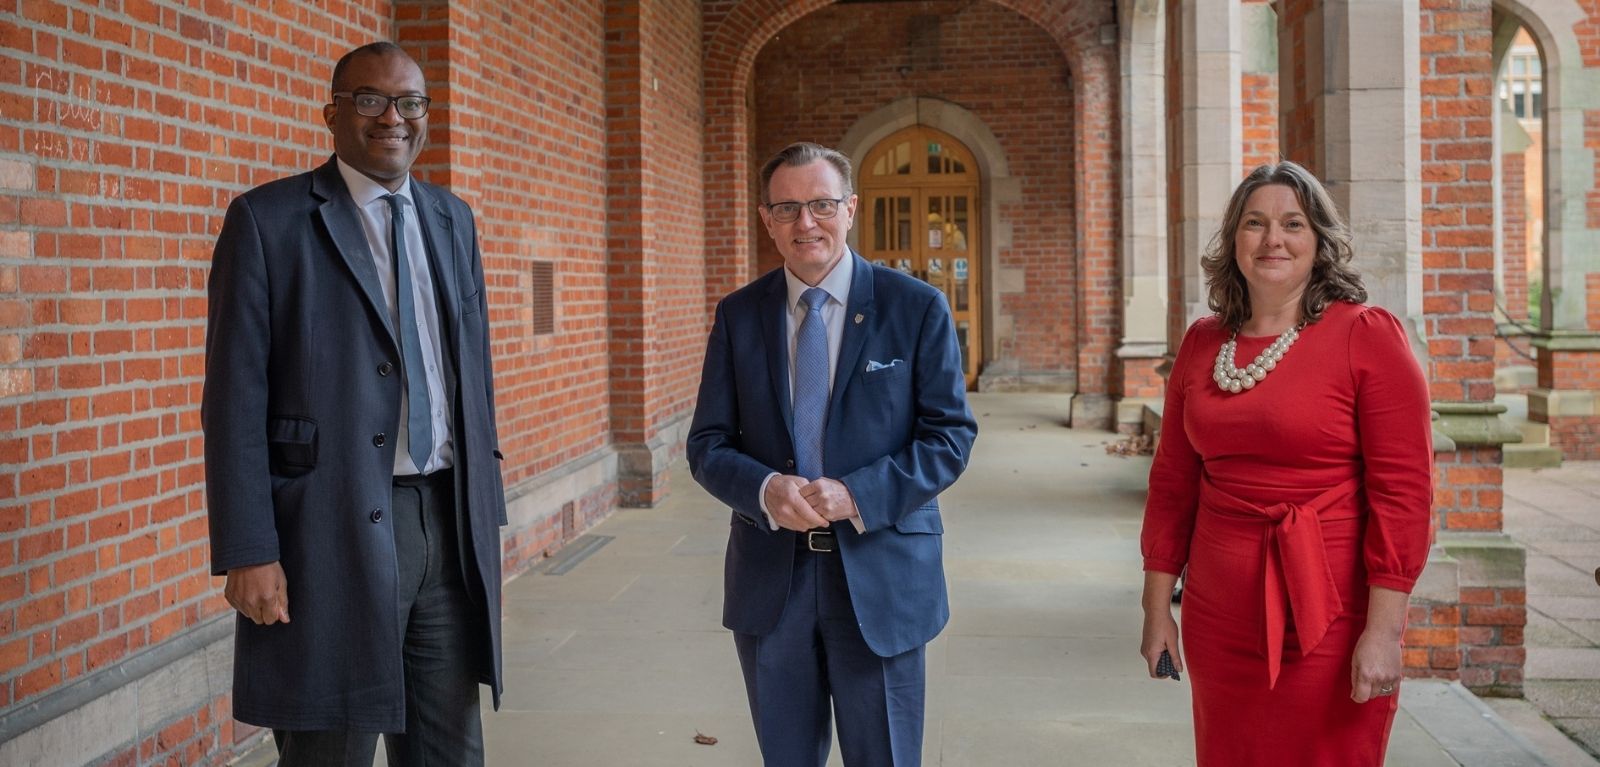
(920, 215)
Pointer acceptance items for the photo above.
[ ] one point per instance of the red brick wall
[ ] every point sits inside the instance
(1298, 118)
(657, 239)
(1578, 437)
(1003, 68)
(1588, 35)
(1259, 92)
(1591, 284)
(1457, 199)
(1514, 233)
(123, 135)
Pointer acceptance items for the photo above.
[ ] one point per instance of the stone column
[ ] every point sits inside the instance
(1204, 145)
(1568, 393)
(1142, 29)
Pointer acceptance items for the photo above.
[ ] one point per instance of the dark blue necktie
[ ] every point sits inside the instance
(419, 422)
(810, 385)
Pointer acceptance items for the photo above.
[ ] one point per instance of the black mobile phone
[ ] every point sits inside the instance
(1165, 669)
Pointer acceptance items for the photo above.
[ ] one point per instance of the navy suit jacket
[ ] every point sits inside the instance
(896, 436)
(301, 405)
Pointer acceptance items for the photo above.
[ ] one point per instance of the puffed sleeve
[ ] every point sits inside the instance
(1174, 493)
(1394, 424)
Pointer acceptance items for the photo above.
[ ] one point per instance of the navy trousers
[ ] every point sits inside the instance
(815, 667)
(443, 726)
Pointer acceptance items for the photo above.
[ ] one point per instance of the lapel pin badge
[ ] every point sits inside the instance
(859, 318)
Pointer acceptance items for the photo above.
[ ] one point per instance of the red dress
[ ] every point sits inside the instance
(1286, 502)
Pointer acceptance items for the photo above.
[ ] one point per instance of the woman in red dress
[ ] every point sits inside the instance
(1293, 483)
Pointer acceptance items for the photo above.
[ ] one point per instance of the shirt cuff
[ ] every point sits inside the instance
(855, 521)
(761, 501)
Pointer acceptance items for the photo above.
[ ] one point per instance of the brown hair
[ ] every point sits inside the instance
(804, 153)
(1332, 276)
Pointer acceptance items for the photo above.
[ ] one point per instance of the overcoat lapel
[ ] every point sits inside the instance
(339, 215)
(438, 230)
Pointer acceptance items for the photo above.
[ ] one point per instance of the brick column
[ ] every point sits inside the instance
(1458, 236)
(655, 238)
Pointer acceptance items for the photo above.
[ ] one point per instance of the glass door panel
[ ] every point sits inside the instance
(919, 215)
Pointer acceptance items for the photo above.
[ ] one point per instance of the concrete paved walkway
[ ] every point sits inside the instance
(620, 659)
(1556, 514)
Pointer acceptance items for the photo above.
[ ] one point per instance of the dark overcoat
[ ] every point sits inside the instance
(301, 409)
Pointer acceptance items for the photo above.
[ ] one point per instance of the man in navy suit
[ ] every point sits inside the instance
(352, 470)
(832, 412)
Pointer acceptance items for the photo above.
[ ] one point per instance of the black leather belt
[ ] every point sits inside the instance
(819, 540)
(436, 479)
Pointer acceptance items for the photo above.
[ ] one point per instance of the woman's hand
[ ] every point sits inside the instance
(1375, 668)
(1160, 633)
(1160, 630)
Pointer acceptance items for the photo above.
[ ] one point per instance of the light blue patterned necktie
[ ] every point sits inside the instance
(810, 385)
(419, 421)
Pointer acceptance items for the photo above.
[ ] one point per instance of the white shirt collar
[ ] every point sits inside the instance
(364, 190)
(837, 283)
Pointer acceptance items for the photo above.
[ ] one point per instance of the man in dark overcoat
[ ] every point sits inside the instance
(352, 471)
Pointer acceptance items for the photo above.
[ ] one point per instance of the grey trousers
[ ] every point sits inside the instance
(443, 727)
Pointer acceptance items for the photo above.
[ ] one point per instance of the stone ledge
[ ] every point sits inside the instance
(1493, 560)
(1559, 403)
(116, 707)
(1568, 341)
(1474, 424)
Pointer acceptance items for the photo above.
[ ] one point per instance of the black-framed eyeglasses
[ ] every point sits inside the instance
(789, 212)
(375, 104)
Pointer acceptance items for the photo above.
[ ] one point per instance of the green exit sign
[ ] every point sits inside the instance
(934, 148)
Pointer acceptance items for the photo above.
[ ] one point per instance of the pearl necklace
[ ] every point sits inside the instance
(1234, 380)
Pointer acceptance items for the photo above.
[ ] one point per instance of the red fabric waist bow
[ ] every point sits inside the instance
(1296, 577)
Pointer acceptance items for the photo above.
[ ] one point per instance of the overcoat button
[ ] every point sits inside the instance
(376, 515)
(789, 464)
(378, 439)
(385, 369)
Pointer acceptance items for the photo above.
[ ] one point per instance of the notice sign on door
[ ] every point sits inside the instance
(960, 265)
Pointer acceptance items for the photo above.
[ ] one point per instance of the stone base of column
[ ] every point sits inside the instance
(1568, 395)
(1468, 612)
(1007, 376)
(642, 476)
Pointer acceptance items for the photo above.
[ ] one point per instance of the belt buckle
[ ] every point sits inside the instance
(813, 536)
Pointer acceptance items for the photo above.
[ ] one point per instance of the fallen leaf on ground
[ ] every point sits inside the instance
(704, 740)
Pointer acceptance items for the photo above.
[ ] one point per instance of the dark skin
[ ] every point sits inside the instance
(383, 148)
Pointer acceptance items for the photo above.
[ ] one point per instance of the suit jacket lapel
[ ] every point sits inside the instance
(775, 332)
(339, 215)
(854, 338)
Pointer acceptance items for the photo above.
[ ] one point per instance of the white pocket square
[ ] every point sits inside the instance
(876, 365)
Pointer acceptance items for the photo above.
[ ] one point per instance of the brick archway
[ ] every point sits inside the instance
(736, 30)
